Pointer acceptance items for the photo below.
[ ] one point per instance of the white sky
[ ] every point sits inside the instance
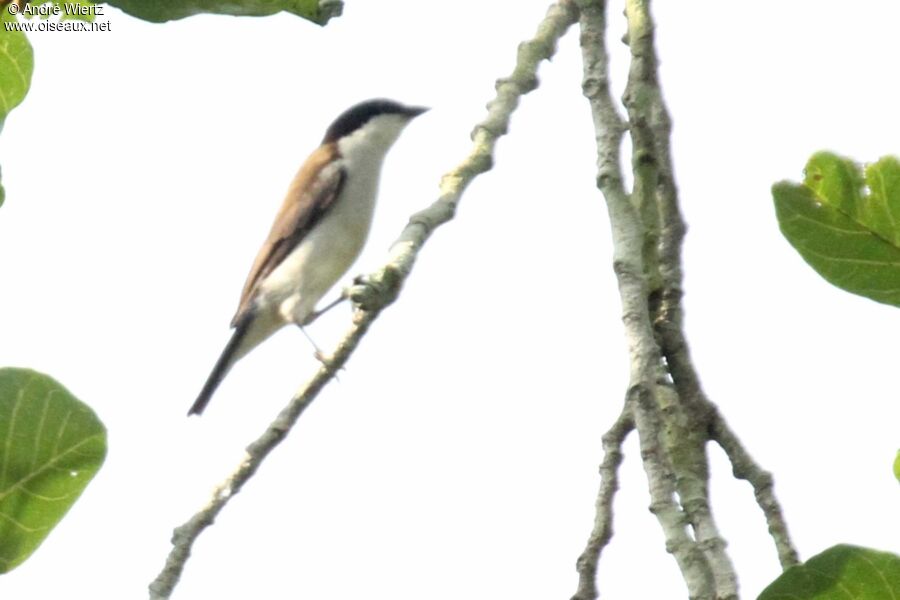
(457, 456)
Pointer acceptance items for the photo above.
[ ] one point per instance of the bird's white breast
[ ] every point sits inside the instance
(326, 253)
(329, 249)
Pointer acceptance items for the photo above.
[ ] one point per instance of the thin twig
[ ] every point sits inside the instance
(628, 237)
(603, 519)
(744, 467)
(381, 288)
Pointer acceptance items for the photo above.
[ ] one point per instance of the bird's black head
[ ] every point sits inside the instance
(356, 116)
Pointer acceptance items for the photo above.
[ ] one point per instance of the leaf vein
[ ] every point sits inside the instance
(48, 465)
(798, 216)
(21, 526)
(851, 260)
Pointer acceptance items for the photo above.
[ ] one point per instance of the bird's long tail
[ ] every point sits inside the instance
(228, 357)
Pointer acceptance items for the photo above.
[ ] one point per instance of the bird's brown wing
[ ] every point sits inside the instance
(310, 196)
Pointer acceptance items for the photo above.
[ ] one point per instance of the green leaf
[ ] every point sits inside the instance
(840, 573)
(158, 11)
(836, 180)
(846, 226)
(16, 66)
(897, 466)
(51, 445)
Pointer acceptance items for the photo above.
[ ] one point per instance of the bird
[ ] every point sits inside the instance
(318, 233)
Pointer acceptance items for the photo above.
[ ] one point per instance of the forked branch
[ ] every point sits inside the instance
(672, 415)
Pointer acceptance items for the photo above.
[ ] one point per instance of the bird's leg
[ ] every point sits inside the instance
(318, 313)
(320, 356)
(360, 284)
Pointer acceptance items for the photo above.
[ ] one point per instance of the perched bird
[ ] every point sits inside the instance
(318, 232)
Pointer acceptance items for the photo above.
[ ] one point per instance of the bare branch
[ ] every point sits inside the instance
(686, 437)
(744, 467)
(380, 289)
(628, 234)
(603, 519)
(651, 132)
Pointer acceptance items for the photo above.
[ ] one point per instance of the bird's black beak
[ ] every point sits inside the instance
(415, 111)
